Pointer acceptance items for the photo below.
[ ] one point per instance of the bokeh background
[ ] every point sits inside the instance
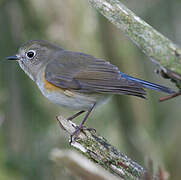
(142, 129)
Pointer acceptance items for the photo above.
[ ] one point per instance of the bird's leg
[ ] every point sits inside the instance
(75, 115)
(80, 127)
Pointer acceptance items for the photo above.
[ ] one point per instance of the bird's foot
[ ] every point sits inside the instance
(77, 131)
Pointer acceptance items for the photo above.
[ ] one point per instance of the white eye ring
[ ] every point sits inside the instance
(30, 54)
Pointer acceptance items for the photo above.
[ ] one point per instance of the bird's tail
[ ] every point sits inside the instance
(149, 85)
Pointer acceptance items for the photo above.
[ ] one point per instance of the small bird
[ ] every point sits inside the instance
(76, 80)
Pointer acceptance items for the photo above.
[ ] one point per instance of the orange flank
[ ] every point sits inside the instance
(50, 87)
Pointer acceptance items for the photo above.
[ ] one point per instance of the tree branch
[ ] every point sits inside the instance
(156, 46)
(80, 165)
(97, 149)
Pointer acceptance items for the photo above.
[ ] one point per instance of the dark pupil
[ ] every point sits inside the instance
(30, 54)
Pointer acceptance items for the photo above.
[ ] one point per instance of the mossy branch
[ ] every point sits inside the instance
(160, 49)
(97, 149)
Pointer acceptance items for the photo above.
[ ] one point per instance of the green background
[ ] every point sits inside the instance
(142, 129)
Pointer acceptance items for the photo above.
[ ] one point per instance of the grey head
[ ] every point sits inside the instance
(34, 55)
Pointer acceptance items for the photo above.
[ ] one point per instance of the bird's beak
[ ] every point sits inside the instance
(12, 58)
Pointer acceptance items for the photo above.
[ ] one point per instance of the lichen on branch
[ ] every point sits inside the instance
(97, 149)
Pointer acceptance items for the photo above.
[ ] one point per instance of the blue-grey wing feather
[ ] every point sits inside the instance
(84, 73)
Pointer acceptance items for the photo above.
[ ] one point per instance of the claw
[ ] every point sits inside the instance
(75, 134)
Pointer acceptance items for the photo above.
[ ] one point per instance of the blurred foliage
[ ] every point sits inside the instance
(28, 129)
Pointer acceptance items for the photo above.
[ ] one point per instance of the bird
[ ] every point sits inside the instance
(76, 80)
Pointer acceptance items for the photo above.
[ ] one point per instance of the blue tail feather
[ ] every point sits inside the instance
(149, 85)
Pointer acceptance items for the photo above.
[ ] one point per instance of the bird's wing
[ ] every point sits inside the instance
(84, 73)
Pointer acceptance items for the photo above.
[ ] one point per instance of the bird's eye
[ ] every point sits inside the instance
(30, 54)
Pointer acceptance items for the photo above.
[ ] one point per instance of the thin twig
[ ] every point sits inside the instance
(171, 96)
